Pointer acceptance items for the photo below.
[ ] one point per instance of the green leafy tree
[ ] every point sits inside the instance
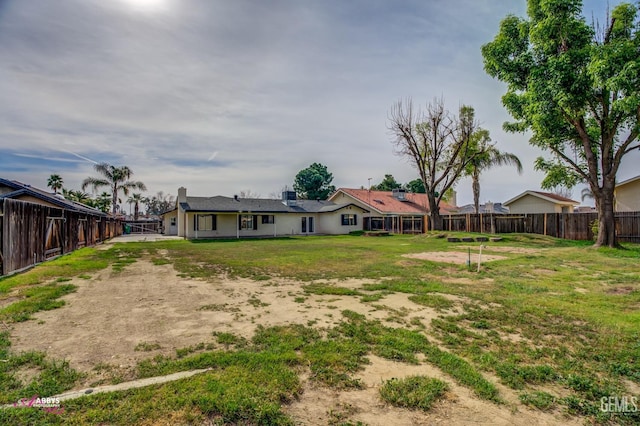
(576, 89)
(389, 183)
(416, 186)
(136, 199)
(486, 156)
(314, 182)
(116, 178)
(437, 144)
(55, 182)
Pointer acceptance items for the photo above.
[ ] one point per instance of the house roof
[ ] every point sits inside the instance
(257, 205)
(19, 188)
(547, 196)
(624, 182)
(384, 202)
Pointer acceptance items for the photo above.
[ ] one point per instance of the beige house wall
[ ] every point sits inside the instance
(532, 204)
(166, 223)
(285, 224)
(331, 223)
(628, 197)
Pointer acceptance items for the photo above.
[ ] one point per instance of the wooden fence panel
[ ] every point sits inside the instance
(31, 233)
(570, 226)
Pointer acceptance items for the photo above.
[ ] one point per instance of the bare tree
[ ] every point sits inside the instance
(436, 143)
(247, 193)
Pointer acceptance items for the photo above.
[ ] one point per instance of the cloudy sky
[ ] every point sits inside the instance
(222, 96)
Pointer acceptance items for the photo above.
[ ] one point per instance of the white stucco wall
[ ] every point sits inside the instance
(285, 224)
(331, 223)
(166, 223)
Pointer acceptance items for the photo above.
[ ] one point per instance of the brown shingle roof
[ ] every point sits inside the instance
(385, 202)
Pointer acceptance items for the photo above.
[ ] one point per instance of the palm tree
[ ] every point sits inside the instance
(116, 178)
(487, 156)
(55, 182)
(77, 196)
(136, 199)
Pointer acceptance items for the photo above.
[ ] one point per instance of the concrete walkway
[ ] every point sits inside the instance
(140, 383)
(130, 238)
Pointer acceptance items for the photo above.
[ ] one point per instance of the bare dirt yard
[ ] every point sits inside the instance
(116, 319)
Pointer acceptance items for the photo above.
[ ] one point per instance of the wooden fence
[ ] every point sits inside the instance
(31, 233)
(570, 226)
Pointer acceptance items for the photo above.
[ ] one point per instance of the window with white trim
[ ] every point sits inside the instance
(349, 219)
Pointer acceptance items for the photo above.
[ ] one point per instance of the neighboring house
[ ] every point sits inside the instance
(627, 195)
(493, 208)
(540, 202)
(226, 217)
(395, 211)
(19, 191)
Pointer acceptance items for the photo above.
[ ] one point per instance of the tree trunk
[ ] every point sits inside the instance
(434, 214)
(476, 192)
(606, 219)
(136, 211)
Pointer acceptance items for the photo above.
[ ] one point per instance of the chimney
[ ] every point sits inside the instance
(182, 194)
(454, 198)
(235, 197)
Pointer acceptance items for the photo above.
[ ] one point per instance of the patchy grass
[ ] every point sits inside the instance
(416, 392)
(147, 347)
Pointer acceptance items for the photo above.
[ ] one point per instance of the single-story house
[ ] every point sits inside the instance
(540, 202)
(395, 211)
(486, 208)
(234, 217)
(627, 195)
(15, 190)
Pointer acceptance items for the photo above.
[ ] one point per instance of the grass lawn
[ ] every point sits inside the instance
(556, 323)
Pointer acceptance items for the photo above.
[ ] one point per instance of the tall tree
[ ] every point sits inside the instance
(416, 186)
(314, 182)
(116, 178)
(55, 182)
(486, 156)
(135, 199)
(576, 89)
(389, 183)
(436, 143)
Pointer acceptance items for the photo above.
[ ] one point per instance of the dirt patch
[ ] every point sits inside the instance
(114, 320)
(457, 257)
(507, 249)
(320, 405)
(626, 289)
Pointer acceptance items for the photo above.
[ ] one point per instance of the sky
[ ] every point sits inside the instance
(224, 96)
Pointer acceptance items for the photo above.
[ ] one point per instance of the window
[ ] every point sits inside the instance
(204, 222)
(349, 219)
(268, 219)
(247, 222)
(173, 221)
(304, 224)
